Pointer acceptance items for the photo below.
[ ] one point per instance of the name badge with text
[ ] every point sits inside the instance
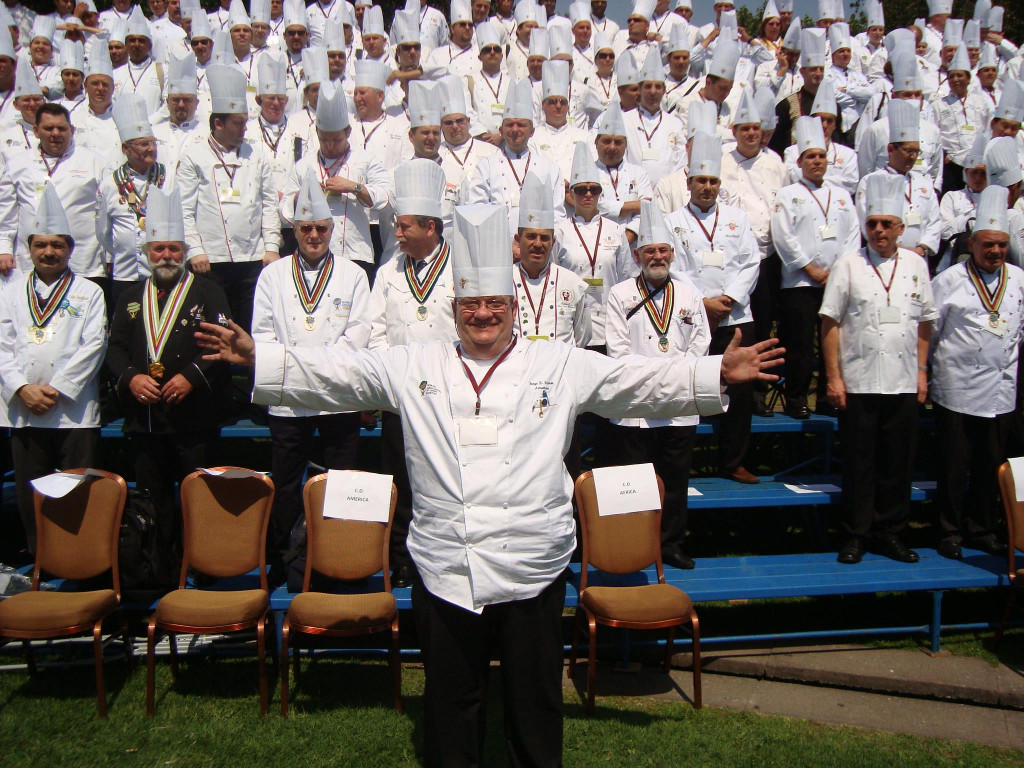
(713, 258)
(889, 315)
(478, 430)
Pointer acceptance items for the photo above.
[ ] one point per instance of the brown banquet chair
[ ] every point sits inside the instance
(1015, 539)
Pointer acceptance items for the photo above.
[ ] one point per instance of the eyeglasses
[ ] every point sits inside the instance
(306, 229)
(201, 41)
(587, 189)
(488, 49)
(908, 151)
(604, 56)
(885, 224)
(454, 121)
(409, 47)
(496, 306)
(294, 32)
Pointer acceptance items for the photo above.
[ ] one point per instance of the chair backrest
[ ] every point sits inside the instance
(225, 522)
(1014, 515)
(344, 549)
(617, 543)
(77, 534)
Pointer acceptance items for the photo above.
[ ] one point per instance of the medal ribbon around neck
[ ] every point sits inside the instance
(42, 314)
(990, 300)
(421, 291)
(310, 298)
(158, 329)
(135, 200)
(663, 319)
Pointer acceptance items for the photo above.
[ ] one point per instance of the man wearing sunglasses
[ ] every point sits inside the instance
(459, 56)
(182, 102)
(459, 148)
(489, 87)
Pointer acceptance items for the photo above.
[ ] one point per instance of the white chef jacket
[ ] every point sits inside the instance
(342, 316)
(393, 308)
(688, 335)
(625, 184)
(621, 43)
(18, 136)
(351, 236)
(301, 127)
(784, 86)
(959, 123)
(842, 171)
(921, 219)
(1016, 227)
(656, 142)
(853, 93)
(682, 112)
(583, 66)
(164, 34)
(68, 362)
(270, 139)
(77, 179)
(516, 58)
(465, 155)
(491, 523)
(562, 315)
(727, 267)
(873, 151)
(495, 181)
(433, 28)
(451, 60)
(613, 262)
(677, 90)
(559, 144)
(489, 94)
(751, 183)
(243, 226)
(878, 358)
(171, 138)
(671, 193)
(956, 208)
(800, 225)
(317, 14)
(98, 134)
(974, 370)
(118, 229)
(5, 282)
(454, 189)
(9, 114)
(145, 80)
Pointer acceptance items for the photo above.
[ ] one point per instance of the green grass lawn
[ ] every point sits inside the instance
(210, 717)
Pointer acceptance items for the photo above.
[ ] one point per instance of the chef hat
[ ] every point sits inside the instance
(50, 218)
(131, 116)
(644, 8)
(746, 110)
(98, 60)
(164, 220)
(137, 24)
(331, 108)
(972, 34)
(314, 65)
(223, 53)
(771, 11)
(682, 4)
(701, 116)
(560, 41)
(271, 69)
(904, 121)
(119, 30)
(227, 89)
(536, 209)
(294, 13)
(991, 214)
(364, 3)
(791, 40)
(764, 97)
(906, 73)
(25, 82)
(334, 35)
(519, 101)
(839, 36)
(452, 94)
(72, 56)
(237, 16)
(44, 27)
(961, 62)
(259, 11)
(311, 203)
(187, 8)
(611, 123)
(554, 79)
(725, 59)
(988, 57)
(824, 10)
(526, 11)
(584, 169)
(460, 11)
(785, 6)
(809, 134)
(489, 34)
(6, 20)
(181, 72)
(652, 230)
(419, 186)
(652, 70)
(482, 252)
(952, 33)
(935, 7)
(405, 28)
(706, 155)
(679, 38)
(995, 19)
(898, 39)
(7, 43)
(976, 154)
(883, 195)
(347, 16)
(625, 70)
(538, 44)
(373, 21)
(875, 14)
(371, 73)
(578, 12)
(424, 104)
(201, 28)
(812, 46)
(1002, 162)
(1011, 102)
(825, 100)
(728, 24)
(982, 9)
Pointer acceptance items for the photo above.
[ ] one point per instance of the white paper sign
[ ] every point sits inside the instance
(693, 492)
(357, 496)
(631, 488)
(232, 474)
(60, 484)
(1017, 467)
(812, 488)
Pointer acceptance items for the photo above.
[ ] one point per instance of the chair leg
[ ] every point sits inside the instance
(1006, 617)
(261, 652)
(396, 666)
(285, 630)
(172, 644)
(591, 664)
(669, 647)
(150, 665)
(97, 653)
(695, 630)
(30, 659)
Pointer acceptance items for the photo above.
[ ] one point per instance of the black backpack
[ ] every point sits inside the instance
(149, 568)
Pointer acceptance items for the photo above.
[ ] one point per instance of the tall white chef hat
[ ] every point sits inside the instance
(904, 121)
(791, 40)
(331, 109)
(271, 70)
(935, 7)
(652, 70)
(554, 79)
(825, 10)
(839, 36)
(625, 69)
(44, 27)
(181, 72)
(875, 14)
(50, 218)
(809, 134)
(164, 220)
(960, 62)
(347, 16)
(482, 252)
(373, 21)
(560, 41)
(223, 52)
(460, 11)
(812, 46)
(72, 56)
(527, 11)
(25, 83)
(706, 155)
(227, 89)
(952, 33)
(536, 208)
(901, 38)
(976, 154)
(701, 116)
(1011, 102)
(883, 195)
(98, 60)
(188, 8)
(371, 74)
(201, 28)
(982, 9)
(644, 8)
(118, 30)
(725, 59)
(334, 35)
(991, 214)
(728, 24)
(405, 28)
(825, 100)
(746, 109)
(419, 186)
(7, 43)
(988, 57)
(519, 101)
(424, 104)
(314, 65)
(294, 12)
(995, 19)
(131, 116)
(487, 34)
(599, 40)
(906, 74)
(679, 38)
(765, 99)
(259, 11)
(682, 4)
(652, 230)
(6, 20)
(579, 11)
(1002, 162)
(972, 34)
(785, 6)
(311, 203)
(237, 16)
(137, 24)
(584, 169)
(611, 123)
(452, 94)
(771, 11)
(538, 44)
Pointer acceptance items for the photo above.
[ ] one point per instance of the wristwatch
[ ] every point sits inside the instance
(359, 189)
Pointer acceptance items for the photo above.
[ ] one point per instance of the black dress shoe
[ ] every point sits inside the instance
(992, 546)
(401, 577)
(761, 408)
(950, 549)
(680, 561)
(894, 549)
(852, 551)
(800, 412)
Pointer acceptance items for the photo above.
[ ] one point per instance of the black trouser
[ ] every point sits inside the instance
(36, 452)
(163, 460)
(764, 304)
(952, 178)
(670, 449)
(238, 281)
(798, 330)
(878, 435)
(378, 253)
(457, 649)
(392, 462)
(734, 424)
(291, 451)
(971, 450)
(603, 448)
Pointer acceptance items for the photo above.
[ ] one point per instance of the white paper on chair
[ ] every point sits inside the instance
(630, 488)
(232, 474)
(812, 488)
(690, 491)
(1017, 468)
(357, 496)
(60, 484)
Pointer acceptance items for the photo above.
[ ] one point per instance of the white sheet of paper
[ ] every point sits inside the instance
(925, 485)
(630, 488)
(1017, 467)
(357, 496)
(693, 492)
(232, 474)
(811, 487)
(60, 484)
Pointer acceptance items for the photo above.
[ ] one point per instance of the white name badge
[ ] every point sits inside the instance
(497, 109)
(919, 163)
(999, 331)
(229, 195)
(714, 258)
(39, 191)
(827, 232)
(649, 154)
(357, 496)
(912, 219)
(889, 315)
(478, 430)
(969, 128)
(594, 285)
(631, 488)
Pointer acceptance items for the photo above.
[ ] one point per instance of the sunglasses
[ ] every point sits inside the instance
(321, 229)
(587, 189)
(605, 56)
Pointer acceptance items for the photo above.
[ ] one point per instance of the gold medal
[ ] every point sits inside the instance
(156, 370)
(37, 335)
(993, 320)
(132, 198)
(663, 344)
(421, 312)
(310, 323)
(142, 223)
